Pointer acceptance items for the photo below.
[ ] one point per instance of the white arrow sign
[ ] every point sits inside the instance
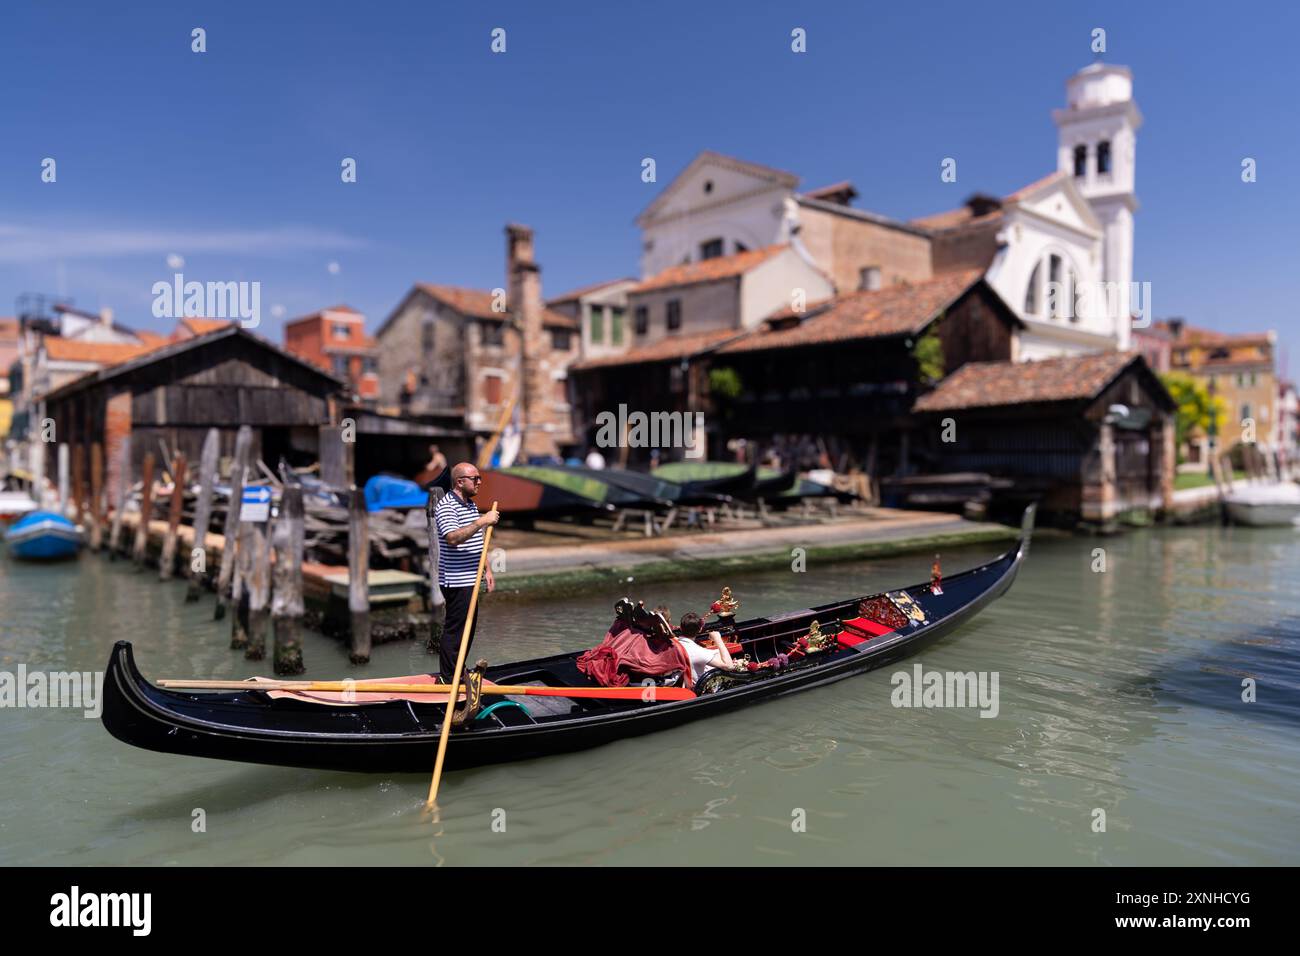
(255, 504)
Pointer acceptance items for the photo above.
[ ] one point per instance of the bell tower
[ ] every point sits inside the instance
(1097, 146)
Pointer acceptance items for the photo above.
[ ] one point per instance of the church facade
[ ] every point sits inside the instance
(1058, 251)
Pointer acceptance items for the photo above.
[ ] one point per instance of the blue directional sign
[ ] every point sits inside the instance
(255, 504)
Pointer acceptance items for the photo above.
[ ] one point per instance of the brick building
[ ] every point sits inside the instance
(335, 340)
(462, 356)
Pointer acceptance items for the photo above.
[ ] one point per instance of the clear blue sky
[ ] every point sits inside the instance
(231, 158)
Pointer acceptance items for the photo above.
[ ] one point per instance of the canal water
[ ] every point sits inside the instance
(1120, 693)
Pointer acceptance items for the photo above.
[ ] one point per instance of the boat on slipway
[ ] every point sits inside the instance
(397, 733)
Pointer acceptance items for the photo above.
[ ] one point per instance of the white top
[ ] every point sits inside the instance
(700, 657)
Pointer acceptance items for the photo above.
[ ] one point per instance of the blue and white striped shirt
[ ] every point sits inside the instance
(458, 566)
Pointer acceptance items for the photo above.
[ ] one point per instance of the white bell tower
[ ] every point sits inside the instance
(1097, 146)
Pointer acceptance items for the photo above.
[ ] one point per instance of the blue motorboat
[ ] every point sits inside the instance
(43, 536)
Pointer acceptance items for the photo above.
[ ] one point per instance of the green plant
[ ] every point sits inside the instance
(1198, 410)
(928, 353)
(725, 383)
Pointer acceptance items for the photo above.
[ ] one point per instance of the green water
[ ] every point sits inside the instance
(1119, 691)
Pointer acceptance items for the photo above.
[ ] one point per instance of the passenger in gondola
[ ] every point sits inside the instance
(706, 651)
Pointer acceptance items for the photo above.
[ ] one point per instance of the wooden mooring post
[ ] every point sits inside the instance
(258, 586)
(359, 576)
(64, 499)
(96, 496)
(167, 561)
(203, 515)
(230, 544)
(123, 494)
(286, 602)
(240, 569)
(146, 509)
(79, 480)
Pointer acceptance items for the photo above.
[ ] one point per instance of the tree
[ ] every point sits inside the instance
(1199, 412)
(928, 353)
(725, 383)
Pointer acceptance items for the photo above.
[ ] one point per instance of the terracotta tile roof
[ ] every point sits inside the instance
(666, 349)
(964, 216)
(708, 270)
(8, 328)
(101, 353)
(152, 339)
(991, 384)
(841, 191)
(196, 325)
(1195, 335)
(478, 304)
(897, 310)
(587, 290)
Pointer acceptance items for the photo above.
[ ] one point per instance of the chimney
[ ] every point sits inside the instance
(106, 317)
(1176, 327)
(525, 299)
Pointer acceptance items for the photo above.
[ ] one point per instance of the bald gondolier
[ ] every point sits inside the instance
(460, 546)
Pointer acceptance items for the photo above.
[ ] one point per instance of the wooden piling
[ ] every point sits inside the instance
(79, 481)
(359, 576)
(286, 602)
(146, 510)
(238, 597)
(203, 514)
(123, 493)
(437, 602)
(258, 586)
(38, 472)
(96, 496)
(167, 562)
(230, 545)
(64, 497)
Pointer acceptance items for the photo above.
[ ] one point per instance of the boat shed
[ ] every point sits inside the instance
(174, 394)
(1091, 437)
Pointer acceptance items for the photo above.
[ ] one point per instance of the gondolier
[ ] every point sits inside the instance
(460, 546)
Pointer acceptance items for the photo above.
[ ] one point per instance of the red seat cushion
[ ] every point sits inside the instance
(861, 629)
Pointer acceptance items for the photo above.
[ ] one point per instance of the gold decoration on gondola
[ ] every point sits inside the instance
(469, 708)
(725, 606)
(903, 601)
(936, 577)
(818, 641)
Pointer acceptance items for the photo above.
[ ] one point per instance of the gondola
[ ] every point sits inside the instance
(670, 493)
(591, 487)
(400, 735)
(709, 477)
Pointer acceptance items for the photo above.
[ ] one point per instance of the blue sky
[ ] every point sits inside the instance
(231, 158)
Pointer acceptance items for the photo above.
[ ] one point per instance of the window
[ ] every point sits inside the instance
(370, 365)
(1103, 158)
(674, 315)
(1245, 410)
(1031, 293)
(708, 186)
(426, 337)
(711, 249)
(1072, 295)
(869, 279)
(492, 389)
(616, 325)
(596, 323)
(642, 319)
(560, 340)
(341, 366)
(339, 331)
(741, 247)
(1055, 292)
(1080, 161)
(494, 333)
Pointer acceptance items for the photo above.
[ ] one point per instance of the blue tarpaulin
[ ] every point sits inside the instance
(387, 491)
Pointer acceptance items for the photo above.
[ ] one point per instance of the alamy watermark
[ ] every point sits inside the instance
(652, 430)
(928, 689)
(78, 690)
(179, 299)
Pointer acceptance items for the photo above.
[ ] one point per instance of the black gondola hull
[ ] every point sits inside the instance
(401, 737)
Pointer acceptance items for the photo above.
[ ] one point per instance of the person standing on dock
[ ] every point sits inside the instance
(460, 546)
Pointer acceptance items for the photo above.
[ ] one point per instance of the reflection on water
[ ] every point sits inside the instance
(1120, 691)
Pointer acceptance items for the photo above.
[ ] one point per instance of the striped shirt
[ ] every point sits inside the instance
(458, 566)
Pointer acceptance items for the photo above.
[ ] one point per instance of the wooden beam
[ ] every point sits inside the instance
(359, 575)
(123, 494)
(96, 496)
(203, 514)
(141, 547)
(286, 602)
(230, 544)
(167, 561)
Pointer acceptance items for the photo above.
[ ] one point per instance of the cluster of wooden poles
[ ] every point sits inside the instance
(260, 578)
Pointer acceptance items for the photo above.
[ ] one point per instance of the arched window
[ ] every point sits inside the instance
(1103, 158)
(1080, 161)
(1055, 291)
(1031, 293)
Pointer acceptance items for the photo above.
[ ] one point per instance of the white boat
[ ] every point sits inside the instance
(15, 504)
(1264, 505)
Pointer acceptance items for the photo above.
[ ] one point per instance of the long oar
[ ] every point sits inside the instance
(634, 692)
(455, 674)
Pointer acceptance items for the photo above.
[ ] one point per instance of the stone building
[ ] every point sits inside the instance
(464, 356)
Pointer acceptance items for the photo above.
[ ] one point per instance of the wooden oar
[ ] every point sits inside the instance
(455, 674)
(634, 692)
